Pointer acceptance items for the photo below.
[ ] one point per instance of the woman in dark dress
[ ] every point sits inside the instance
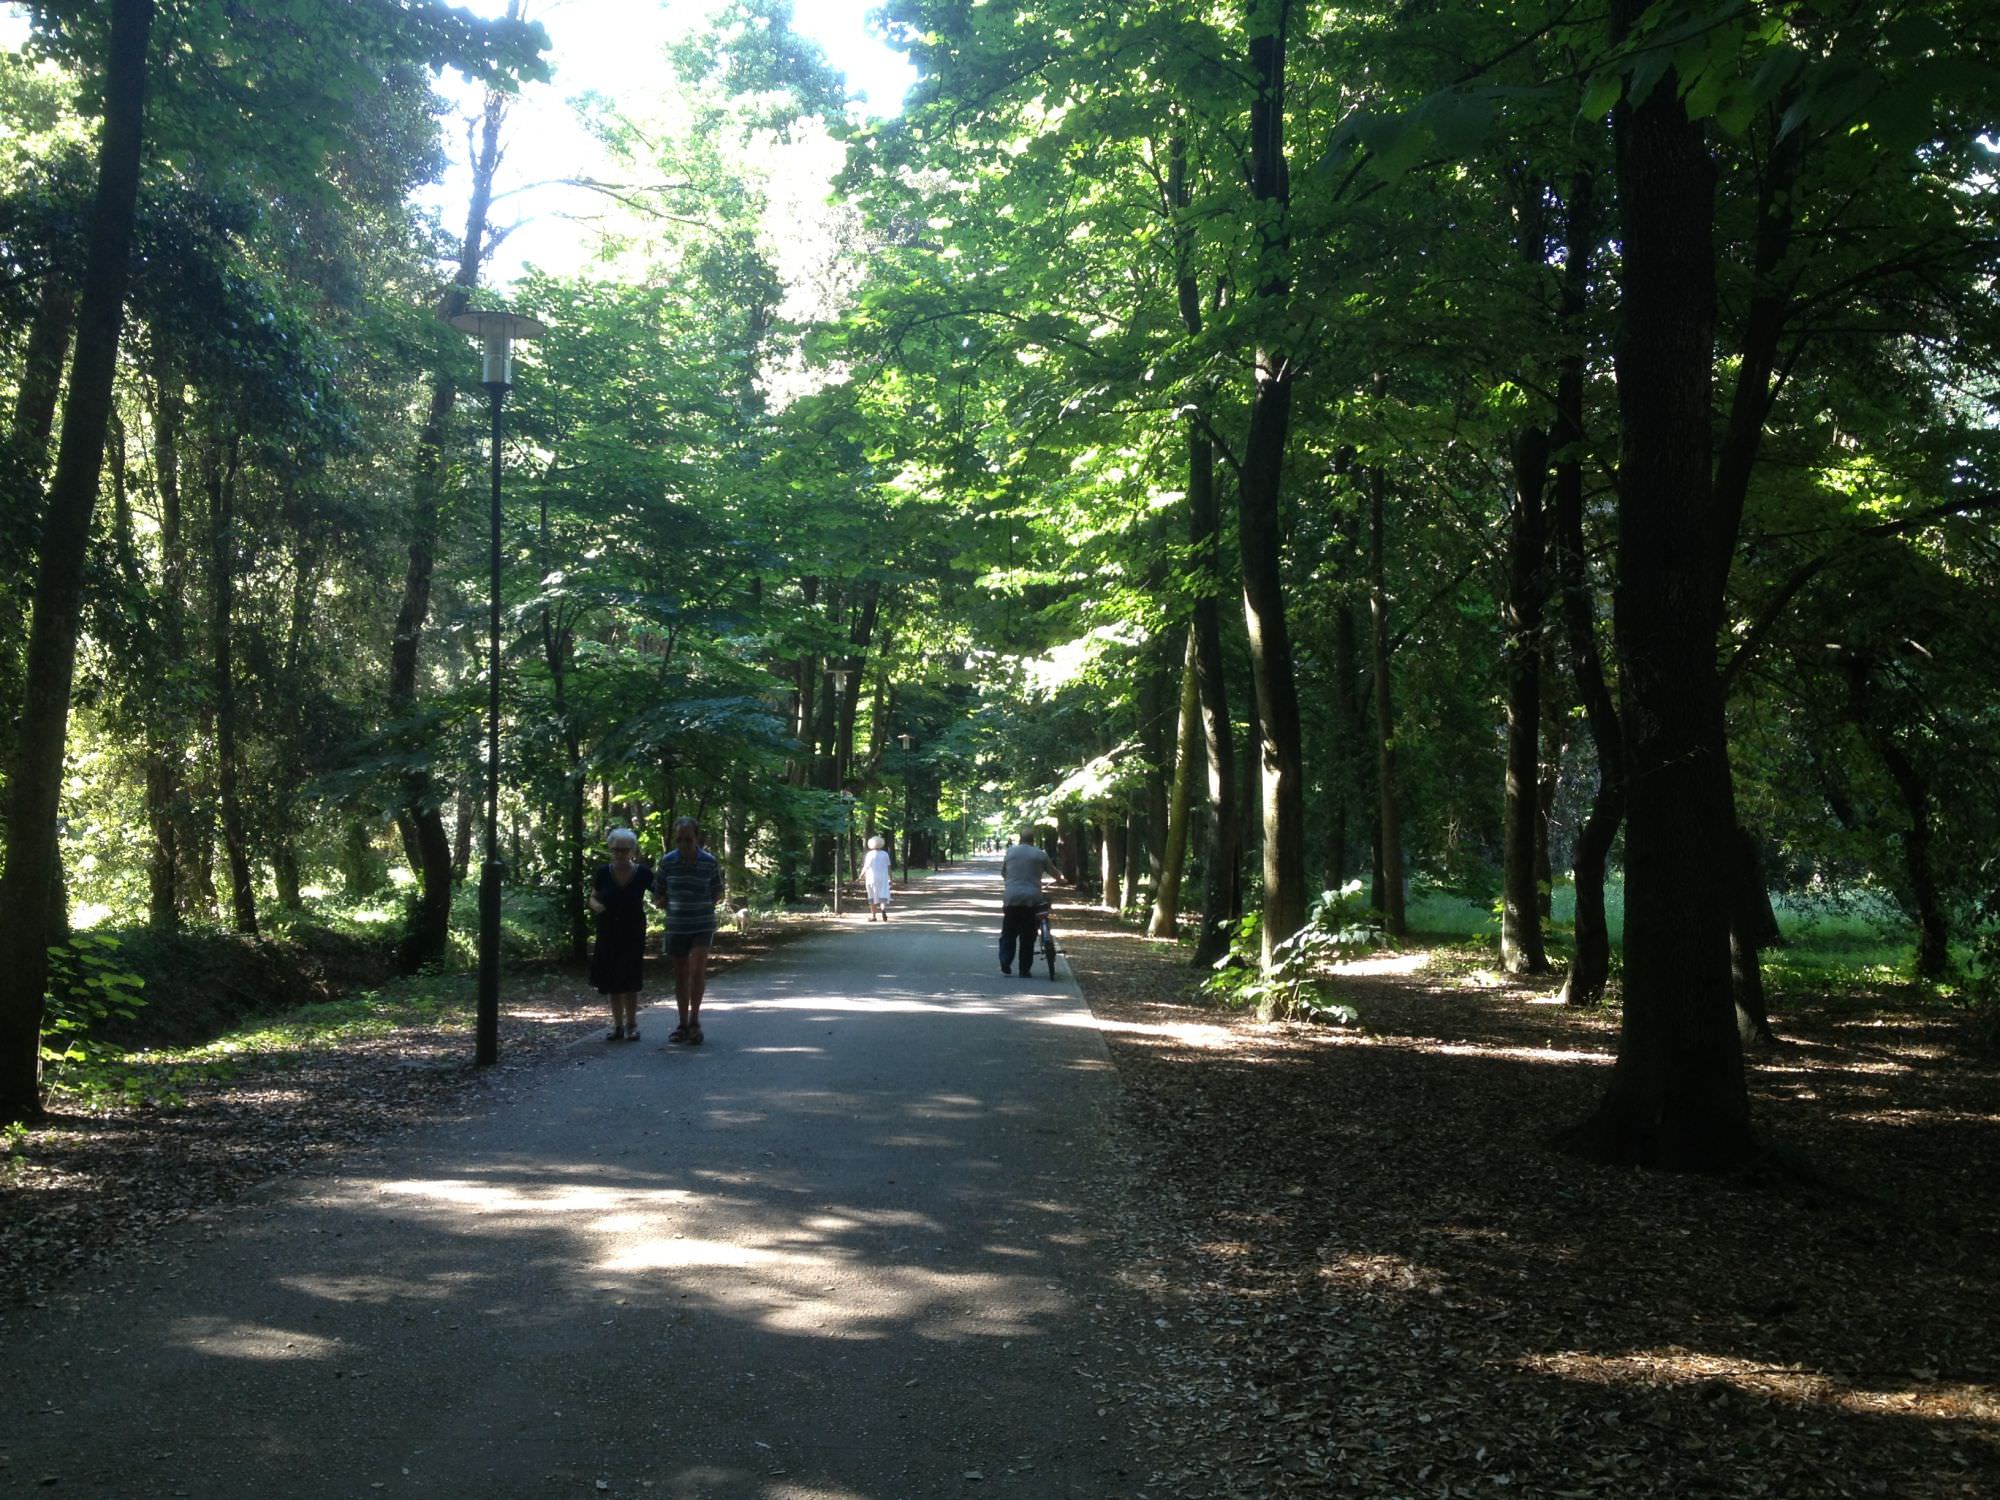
(617, 963)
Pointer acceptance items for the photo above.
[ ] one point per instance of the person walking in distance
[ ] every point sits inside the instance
(875, 877)
(1021, 870)
(618, 960)
(688, 883)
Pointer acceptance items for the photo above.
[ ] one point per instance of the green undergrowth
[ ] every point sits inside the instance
(134, 1012)
(161, 1075)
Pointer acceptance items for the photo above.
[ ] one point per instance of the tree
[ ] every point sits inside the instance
(35, 778)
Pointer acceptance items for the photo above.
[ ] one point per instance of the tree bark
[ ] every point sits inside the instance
(1590, 969)
(1677, 1097)
(1259, 528)
(222, 468)
(1920, 895)
(166, 810)
(422, 814)
(1111, 872)
(1389, 820)
(34, 788)
(1166, 917)
(1222, 899)
(1521, 950)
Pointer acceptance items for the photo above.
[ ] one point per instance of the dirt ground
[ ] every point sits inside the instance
(1354, 1264)
(1370, 1275)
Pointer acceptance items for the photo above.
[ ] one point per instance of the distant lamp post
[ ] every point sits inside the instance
(904, 741)
(496, 332)
(838, 677)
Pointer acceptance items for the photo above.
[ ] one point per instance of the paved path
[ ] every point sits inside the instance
(844, 1251)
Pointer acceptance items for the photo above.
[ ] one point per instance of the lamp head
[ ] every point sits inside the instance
(496, 332)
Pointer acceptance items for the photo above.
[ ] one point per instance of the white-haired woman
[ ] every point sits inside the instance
(875, 877)
(618, 961)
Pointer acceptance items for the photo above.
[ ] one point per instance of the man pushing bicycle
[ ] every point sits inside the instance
(1021, 870)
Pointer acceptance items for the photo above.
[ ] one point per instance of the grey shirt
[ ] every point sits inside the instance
(1022, 867)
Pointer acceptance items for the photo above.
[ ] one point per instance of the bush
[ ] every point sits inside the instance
(1980, 994)
(1341, 925)
(90, 987)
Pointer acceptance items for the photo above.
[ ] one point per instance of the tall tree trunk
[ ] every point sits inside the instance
(1677, 1097)
(1111, 872)
(1259, 528)
(22, 477)
(1155, 698)
(1222, 899)
(1749, 406)
(422, 814)
(1389, 819)
(221, 465)
(1919, 892)
(1521, 950)
(1590, 969)
(1351, 735)
(1167, 899)
(166, 811)
(34, 783)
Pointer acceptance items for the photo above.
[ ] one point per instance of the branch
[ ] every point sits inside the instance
(1804, 574)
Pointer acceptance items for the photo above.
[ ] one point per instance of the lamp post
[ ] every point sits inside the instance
(837, 677)
(904, 741)
(496, 332)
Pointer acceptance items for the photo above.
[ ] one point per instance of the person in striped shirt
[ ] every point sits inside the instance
(688, 883)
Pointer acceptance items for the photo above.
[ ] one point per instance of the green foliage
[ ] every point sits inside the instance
(89, 985)
(1341, 925)
(1979, 993)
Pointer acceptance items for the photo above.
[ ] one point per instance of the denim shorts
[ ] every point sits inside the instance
(681, 944)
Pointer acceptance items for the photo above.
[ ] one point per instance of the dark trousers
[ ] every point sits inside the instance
(1019, 927)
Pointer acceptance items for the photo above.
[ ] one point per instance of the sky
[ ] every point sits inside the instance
(614, 48)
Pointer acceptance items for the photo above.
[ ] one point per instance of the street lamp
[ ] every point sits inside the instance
(837, 676)
(904, 741)
(496, 332)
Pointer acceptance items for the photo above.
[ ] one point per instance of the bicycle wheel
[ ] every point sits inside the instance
(1049, 949)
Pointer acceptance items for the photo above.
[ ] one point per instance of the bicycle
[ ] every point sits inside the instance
(1045, 938)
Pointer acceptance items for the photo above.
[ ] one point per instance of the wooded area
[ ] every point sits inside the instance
(1592, 406)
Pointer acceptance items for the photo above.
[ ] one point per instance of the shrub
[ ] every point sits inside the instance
(1340, 925)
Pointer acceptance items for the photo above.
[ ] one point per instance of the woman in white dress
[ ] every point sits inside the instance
(875, 877)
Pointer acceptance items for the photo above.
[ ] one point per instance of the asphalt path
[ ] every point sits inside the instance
(848, 1249)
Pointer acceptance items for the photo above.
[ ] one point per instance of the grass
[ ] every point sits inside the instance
(1855, 938)
(423, 999)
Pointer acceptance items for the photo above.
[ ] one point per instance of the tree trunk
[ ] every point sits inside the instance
(1521, 950)
(1351, 736)
(1751, 925)
(1111, 870)
(1389, 821)
(1590, 968)
(1167, 899)
(1919, 892)
(1259, 528)
(221, 469)
(1222, 899)
(1156, 734)
(166, 813)
(422, 814)
(1677, 1097)
(34, 783)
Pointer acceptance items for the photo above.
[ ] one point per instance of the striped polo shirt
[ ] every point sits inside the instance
(692, 888)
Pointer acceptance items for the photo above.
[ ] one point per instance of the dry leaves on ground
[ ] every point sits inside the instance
(1363, 1271)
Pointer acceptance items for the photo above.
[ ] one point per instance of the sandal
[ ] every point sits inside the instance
(632, 1035)
(617, 1034)
(694, 1036)
(678, 1034)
